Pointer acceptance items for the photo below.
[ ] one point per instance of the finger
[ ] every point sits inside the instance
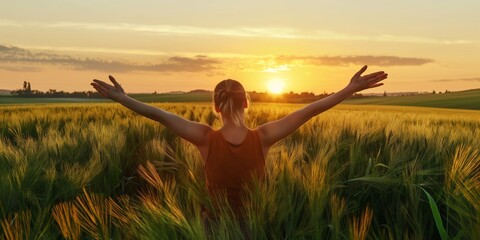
(373, 74)
(378, 78)
(97, 81)
(375, 85)
(99, 90)
(115, 83)
(372, 86)
(102, 83)
(375, 78)
(99, 87)
(362, 70)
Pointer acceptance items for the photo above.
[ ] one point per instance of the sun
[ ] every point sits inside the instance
(276, 85)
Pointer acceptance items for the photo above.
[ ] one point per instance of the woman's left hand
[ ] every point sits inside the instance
(372, 80)
(114, 92)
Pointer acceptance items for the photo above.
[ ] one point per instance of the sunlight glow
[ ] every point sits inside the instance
(276, 85)
(277, 69)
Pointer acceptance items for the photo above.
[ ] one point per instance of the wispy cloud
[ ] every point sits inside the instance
(279, 68)
(247, 32)
(384, 61)
(12, 54)
(19, 68)
(143, 52)
(130, 51)
(14, 58)
(275, 64)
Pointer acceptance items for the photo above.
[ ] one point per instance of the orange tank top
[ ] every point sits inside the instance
(229, 167)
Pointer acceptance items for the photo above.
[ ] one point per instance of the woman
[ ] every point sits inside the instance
(234, 153)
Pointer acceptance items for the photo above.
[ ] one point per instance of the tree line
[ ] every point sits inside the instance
(27, 91)
(291, 96)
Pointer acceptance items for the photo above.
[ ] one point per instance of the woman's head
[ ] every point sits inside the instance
(230, 99)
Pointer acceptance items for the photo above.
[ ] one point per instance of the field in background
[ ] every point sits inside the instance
(461, 100)
(99, 171)
(9, 100)
(456, 100)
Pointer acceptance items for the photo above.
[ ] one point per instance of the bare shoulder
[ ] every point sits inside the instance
(262, 133)
(207, 131)
(204, 146)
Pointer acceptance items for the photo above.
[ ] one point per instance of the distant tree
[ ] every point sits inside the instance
(305, 94)
(385, 93)
(433, 92)
(29, 89)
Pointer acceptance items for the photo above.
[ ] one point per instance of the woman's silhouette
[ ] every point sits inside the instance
(234, 153)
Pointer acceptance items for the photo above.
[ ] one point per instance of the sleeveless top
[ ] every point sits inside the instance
(230, 167)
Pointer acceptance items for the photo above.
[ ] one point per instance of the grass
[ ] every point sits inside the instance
(99, 171)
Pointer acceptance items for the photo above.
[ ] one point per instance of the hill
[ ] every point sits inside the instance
(469, 99)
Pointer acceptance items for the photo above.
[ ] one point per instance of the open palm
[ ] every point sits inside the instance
(372, 80)
(114, 92)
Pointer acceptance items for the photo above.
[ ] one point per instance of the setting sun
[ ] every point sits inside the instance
(276, 85)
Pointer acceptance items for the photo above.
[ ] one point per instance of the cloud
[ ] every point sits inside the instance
(19, 68)
(475, 79)
(16, 55)
(275, 69)
(384, 61)
(245, 32)
(18, 59)
(283, 63)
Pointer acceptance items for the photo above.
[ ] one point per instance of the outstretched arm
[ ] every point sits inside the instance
(191, 131)
(274, 131)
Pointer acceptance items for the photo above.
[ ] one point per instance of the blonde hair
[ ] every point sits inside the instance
(229, 97)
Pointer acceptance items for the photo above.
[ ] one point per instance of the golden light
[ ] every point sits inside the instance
(277, 69)
(276, 85)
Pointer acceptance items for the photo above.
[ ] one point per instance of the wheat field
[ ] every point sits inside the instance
(99, 171)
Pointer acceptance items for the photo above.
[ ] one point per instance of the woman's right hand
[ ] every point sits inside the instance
(115, 92)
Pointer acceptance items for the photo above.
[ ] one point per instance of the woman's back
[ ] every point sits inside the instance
(229, 167)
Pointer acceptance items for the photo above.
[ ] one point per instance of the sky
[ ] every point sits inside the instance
(181, 45)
